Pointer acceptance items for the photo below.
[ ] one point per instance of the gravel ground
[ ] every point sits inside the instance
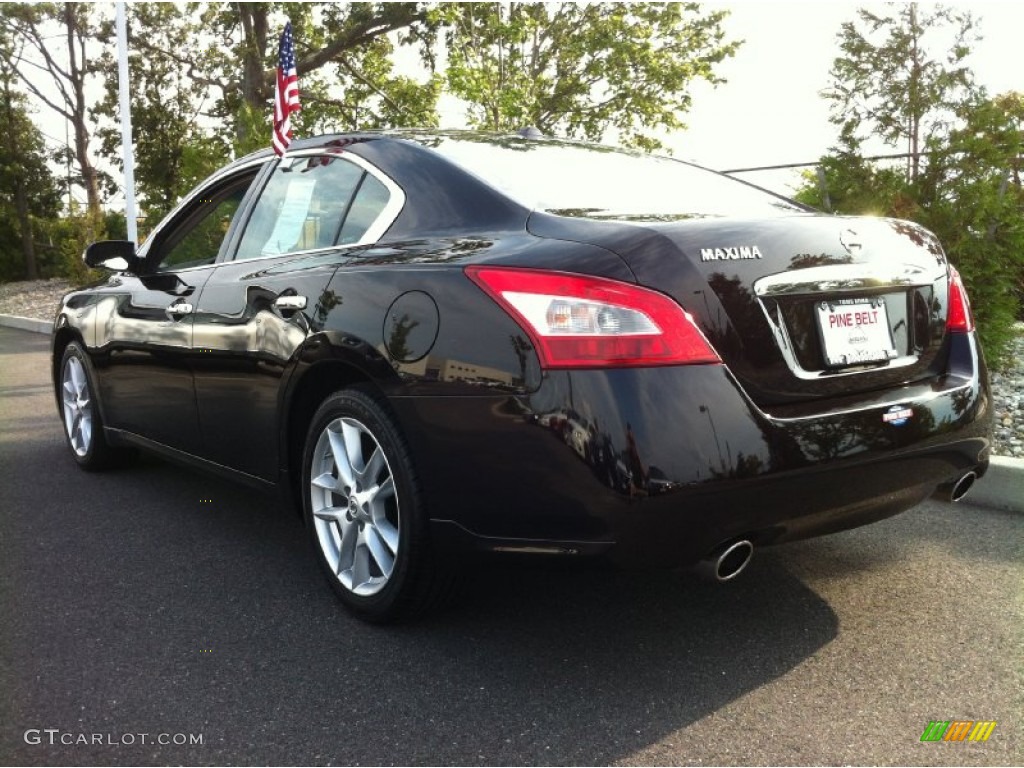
(1008, 393)
(38, 299)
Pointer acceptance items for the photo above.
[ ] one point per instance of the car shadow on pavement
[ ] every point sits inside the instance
(588, 666)
(156, 599)
(959, 530)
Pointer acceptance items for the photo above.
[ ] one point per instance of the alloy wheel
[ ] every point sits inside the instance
(355, 506)
(77, 402)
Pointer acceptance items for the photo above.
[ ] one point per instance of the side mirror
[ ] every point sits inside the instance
(118, 255)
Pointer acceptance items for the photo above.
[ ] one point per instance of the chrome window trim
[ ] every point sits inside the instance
(387, 216)
(186, 270)
(286, 255)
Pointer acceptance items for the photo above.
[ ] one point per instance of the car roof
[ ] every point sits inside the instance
(429, 137)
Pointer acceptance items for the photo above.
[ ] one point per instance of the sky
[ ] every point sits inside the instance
(770, 111)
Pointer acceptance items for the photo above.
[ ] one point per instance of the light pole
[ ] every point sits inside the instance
(126, 123)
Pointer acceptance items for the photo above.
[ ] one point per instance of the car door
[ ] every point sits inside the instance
(145, 320)
(260, 305)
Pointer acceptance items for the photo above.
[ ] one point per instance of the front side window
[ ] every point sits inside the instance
(196, 238)
(310, 203)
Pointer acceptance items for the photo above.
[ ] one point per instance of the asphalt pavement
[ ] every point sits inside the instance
(160, 601)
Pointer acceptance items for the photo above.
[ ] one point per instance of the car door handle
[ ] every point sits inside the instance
(290, 303)
(179, 308)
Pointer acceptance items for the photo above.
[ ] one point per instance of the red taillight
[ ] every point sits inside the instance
(958, 317)
(577, 321)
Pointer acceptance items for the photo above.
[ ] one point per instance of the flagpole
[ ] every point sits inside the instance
(126, 123)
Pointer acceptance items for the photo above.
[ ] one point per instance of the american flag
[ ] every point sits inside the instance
(286, 95)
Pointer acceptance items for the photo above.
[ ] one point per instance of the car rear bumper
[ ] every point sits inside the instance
(661, 465)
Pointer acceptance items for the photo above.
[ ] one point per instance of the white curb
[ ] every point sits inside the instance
(27, 324)
(1002, 487)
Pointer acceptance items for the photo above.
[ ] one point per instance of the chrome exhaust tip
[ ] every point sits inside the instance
(727, 562)
(962, 486)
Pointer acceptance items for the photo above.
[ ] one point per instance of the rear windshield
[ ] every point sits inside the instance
(600, 182)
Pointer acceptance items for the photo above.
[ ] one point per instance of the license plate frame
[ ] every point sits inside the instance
(854, 331)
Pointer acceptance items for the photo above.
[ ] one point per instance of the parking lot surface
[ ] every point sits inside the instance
(157, 600)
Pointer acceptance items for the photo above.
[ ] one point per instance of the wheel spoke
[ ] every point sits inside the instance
(70, 413)
(347, 549)
(373, 467)
(85, 432)
(341, 460)
(72, 374)
(73, 432)
(388, 534)
(385, 490)
(379, 551)
(379, 511)
(77, 375)
(333, 515)
(352, 436)
(328, 482)
(360, 563)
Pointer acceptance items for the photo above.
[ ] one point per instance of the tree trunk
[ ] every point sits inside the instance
(76, 49)
(28, 247)
(254, 48)
(916, 109)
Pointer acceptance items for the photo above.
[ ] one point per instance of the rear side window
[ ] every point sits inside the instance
(369, 202)
(304, 206)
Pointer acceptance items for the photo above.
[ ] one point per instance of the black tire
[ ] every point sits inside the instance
(81, 413)
(366, 515)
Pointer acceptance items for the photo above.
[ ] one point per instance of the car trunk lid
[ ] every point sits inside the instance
(800, 306)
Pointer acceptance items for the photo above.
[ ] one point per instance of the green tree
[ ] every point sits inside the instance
(857, 186)
(28, 192)
(962, 179)
(173, 149)
(969, 194)
(971, 197)
(886, 84)
(65, 69)
(580, 70)
(343, 58)
(194, 105)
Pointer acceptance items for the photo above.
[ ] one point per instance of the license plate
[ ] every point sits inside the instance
(855, 331)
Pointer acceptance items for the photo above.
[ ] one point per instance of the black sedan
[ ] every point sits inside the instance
(436, 344)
